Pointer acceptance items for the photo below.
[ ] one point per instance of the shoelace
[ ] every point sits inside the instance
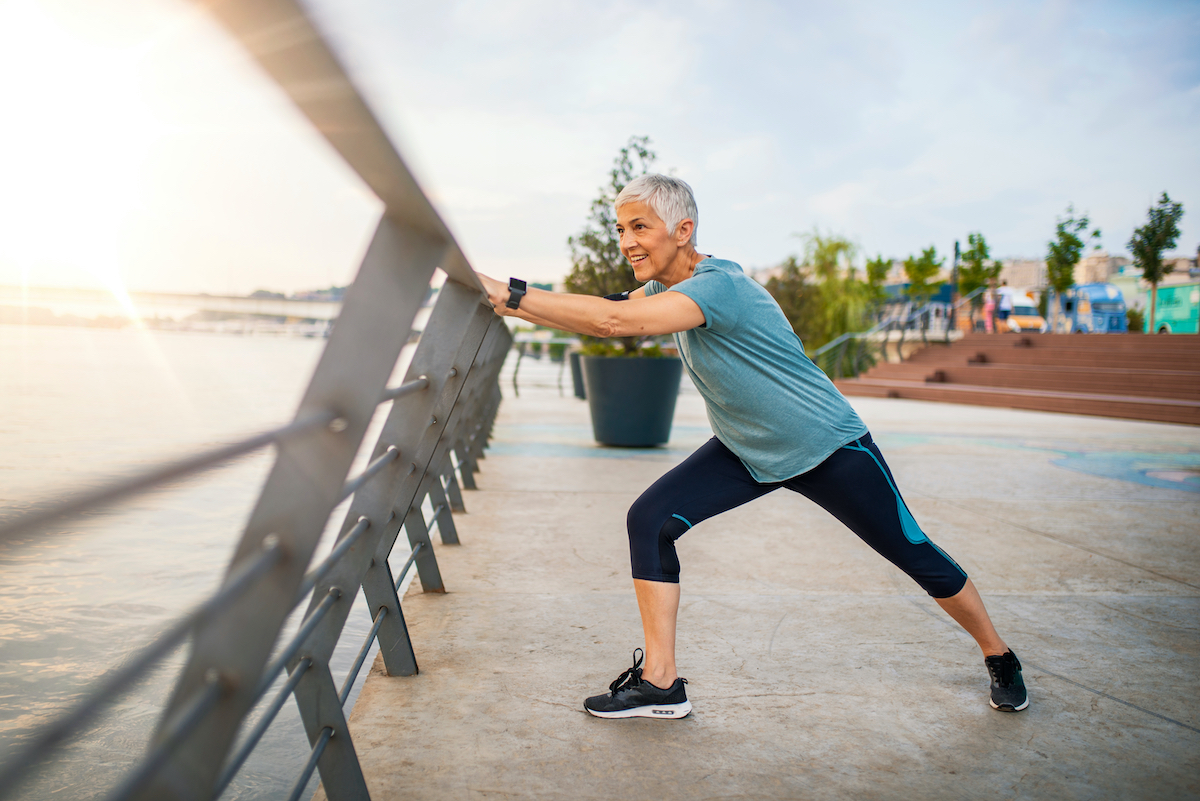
(630, 678)
(1003, 668)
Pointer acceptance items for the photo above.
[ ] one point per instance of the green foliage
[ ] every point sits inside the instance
(877, 273)
(974, 272)
(1065, 249)
(791, 291)
(1136, 320)
(822, 297)
(597, 266)
(1063, 254)
(1149, 242)
(615, 347)
(921, 272)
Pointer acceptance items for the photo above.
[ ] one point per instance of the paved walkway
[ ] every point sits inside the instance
(817, 670)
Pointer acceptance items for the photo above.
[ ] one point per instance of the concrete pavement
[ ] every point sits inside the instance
(816, 669)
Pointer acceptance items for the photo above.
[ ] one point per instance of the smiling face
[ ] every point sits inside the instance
(653, 251)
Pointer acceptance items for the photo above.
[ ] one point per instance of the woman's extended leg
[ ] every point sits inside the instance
(856, 486)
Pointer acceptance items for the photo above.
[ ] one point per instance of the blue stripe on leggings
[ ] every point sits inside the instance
(684, 519)
(912, 531)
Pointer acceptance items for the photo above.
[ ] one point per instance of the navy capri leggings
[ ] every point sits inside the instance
(854, 485)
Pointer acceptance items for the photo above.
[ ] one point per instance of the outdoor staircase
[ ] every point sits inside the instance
(1133, 376)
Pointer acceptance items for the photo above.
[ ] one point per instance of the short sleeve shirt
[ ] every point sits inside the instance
(766, 400)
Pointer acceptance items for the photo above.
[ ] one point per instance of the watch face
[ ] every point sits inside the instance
(516, 283)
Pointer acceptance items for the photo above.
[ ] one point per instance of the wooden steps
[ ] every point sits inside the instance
(1132, 376)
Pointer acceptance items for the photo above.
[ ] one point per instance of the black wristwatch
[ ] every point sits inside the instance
(516, 291)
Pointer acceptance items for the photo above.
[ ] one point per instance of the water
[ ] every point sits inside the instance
(76, 407)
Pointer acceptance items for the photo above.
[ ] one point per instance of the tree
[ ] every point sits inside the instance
(1149, 242)
(822, 296)
(791, 291)
(974, 272)
(877, 273)
(1063, 254)
(597, 266)
(920, 272)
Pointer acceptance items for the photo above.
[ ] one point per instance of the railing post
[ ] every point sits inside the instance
(379, 588)
(442, 516)
(418, 535)
(452, 490)
(321, 708)
(466, 465)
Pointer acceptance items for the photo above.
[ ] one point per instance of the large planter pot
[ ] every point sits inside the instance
(632, 399)
(577, 374)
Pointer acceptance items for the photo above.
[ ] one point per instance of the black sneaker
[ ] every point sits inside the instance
(631, 697)
(1008, 688)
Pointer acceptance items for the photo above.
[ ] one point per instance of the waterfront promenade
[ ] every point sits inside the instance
(816, 669)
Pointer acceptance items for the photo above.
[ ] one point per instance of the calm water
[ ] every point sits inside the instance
(77, 406)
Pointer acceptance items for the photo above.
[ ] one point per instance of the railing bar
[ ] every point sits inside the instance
(281, 661)
(407, 388)
(260, 728)
(352, 486)
(348, 684)
(161, 474)
(311, 765)
(412, 557)
(187, 719)
(313, 576)
(108, 689)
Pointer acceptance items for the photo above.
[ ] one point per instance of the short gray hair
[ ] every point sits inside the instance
(671, 199)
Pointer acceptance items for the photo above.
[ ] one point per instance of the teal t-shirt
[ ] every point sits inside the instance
(767, 401)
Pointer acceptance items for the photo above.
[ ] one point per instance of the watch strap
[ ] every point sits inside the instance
(516, 291)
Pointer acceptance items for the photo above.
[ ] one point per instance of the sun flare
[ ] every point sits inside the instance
(72, 152)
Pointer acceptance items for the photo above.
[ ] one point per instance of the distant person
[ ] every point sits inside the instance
(1005, 305)
(779, 422)
(989, 311)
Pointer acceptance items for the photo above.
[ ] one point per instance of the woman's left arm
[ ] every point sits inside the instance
(664, 313)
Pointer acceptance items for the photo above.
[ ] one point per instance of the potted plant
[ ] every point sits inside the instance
(631, 385)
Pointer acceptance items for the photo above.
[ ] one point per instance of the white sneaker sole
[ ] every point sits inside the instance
(1014, 709)
(667, 711)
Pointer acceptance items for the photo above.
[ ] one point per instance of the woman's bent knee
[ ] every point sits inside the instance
(652, 535)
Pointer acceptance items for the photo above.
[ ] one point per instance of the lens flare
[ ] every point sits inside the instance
(72, 152)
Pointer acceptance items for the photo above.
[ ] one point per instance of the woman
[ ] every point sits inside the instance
(778, 421)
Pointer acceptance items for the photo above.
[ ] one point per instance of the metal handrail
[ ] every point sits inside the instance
(74, 503)
(840, 344)
(110, 688)
(439, 421)
(311, 765)
(261, 727)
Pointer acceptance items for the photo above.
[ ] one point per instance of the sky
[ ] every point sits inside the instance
(144, 150)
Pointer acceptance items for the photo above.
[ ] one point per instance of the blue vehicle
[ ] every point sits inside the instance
(1107, 307)
(1074, 312)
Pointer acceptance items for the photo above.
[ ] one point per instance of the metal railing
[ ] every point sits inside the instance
(527, 343)
(853, 353)
(439, 422)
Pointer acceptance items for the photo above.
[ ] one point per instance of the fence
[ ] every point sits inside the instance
(437, 427)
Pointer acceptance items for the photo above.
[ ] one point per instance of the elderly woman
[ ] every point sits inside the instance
(779, 422)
